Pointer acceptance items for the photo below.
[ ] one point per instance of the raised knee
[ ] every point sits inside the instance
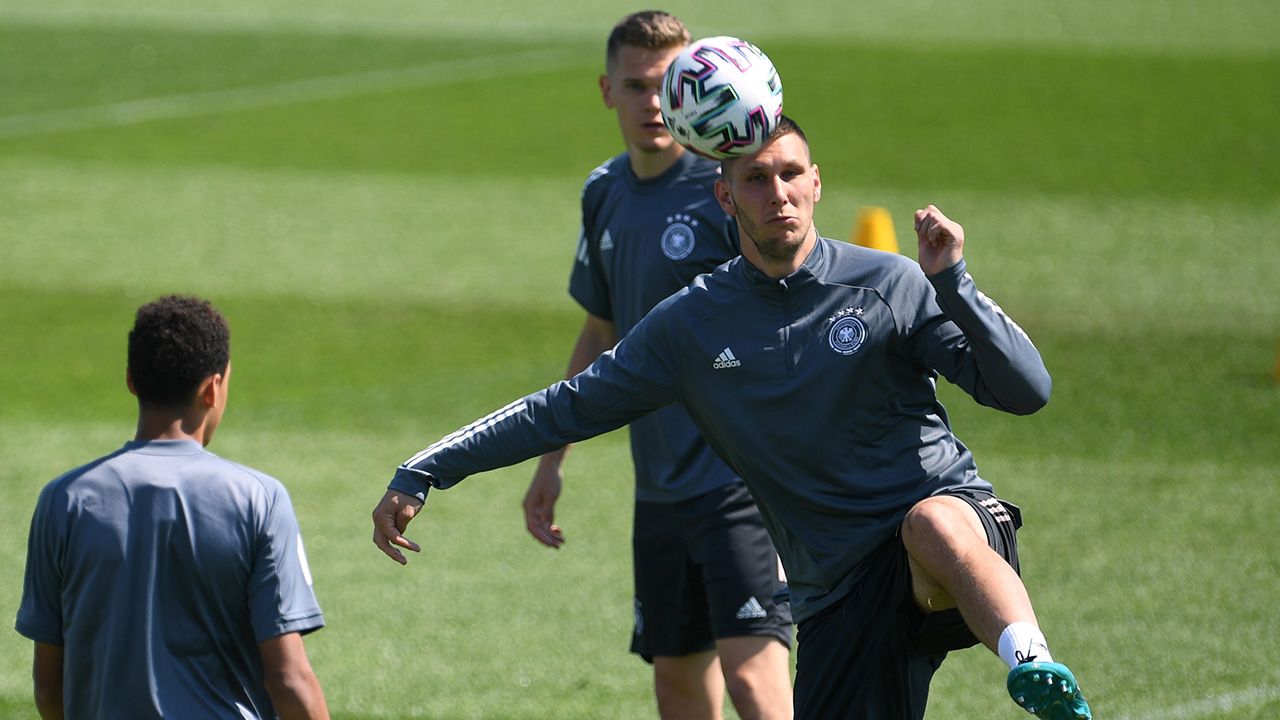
(937, 521)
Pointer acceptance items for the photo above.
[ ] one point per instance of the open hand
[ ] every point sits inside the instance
(540, 507)
(390, 519)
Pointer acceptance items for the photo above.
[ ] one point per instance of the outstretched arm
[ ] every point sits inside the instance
(597, 336)
(635, 378)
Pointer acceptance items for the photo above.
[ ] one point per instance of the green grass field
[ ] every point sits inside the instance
(382, 197)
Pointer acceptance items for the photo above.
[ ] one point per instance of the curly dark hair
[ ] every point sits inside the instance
(176, 342)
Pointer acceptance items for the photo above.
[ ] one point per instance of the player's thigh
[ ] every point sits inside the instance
(689, 686)
(856, 660)
(739, 565)
(754, 655)
(944, 629)
(958, 518)
(671, 618)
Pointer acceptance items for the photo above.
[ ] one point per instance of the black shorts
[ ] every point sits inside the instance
(871, 655)
(705, 569)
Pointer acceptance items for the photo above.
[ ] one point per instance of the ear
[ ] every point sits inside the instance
(725, 197)
(207, 395)
(817, 184)
(606, 91)
(128, 382)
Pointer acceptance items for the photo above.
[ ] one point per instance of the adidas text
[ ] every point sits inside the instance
(726, 360)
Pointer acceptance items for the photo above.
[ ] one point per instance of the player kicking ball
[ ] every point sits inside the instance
(897, 550)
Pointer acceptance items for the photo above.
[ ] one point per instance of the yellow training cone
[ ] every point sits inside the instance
(874, 229)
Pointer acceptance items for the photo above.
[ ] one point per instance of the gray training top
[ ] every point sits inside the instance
(641, 241)
(819, 389)
(159, 569)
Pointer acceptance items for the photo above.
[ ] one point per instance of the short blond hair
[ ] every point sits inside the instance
(648, 29)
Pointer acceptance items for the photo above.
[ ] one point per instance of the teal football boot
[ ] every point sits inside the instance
(1048, 690)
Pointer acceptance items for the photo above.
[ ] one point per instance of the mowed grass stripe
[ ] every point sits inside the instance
(461, 595)
(1055, 262)
(888, 115)
(331, 87)
(1083, 26)
(1226, 704)
(450, 241)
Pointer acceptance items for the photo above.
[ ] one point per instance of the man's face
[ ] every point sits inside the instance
(631, 89)
(772, 194)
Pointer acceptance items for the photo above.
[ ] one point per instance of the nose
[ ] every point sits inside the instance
(778, 191)
(651, 100)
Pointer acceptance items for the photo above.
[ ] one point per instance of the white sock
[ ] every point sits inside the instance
(1022, 642)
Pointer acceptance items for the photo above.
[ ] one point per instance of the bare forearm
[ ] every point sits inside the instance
(46, 672)
(298, 697)
(295, 692)
(596, 337)
(49, 708)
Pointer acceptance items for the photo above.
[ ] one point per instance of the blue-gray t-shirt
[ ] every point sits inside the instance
(159, 569)
(641, 241)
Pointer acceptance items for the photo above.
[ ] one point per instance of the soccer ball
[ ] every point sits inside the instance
(721, 97)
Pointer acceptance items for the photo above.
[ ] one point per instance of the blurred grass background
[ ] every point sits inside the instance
(383, 199)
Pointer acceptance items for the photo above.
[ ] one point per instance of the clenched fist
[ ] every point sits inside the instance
(941, 240)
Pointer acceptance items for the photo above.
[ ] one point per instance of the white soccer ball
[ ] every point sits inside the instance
(721, 97)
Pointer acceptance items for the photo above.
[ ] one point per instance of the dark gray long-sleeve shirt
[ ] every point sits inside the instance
(818, 389)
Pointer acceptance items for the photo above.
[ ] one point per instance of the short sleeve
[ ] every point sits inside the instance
(281, 597)
(40, 612)
(588, 283)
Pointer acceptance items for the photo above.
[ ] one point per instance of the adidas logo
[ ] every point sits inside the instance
(751, 610)
(726, 360)
(998, 511)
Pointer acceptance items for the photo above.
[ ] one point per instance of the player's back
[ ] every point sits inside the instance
(158, 570)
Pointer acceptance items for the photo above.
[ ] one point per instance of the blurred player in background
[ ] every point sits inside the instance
(162, 580)
(705, 570)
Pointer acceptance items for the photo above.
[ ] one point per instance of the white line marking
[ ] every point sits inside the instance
(514, 26)
(213, 102)
(1205, 707)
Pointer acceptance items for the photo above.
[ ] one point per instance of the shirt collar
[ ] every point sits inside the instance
(164, 447)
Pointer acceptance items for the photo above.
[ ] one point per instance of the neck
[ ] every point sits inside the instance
(779, 267)
(156, 424)
(647, 165)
